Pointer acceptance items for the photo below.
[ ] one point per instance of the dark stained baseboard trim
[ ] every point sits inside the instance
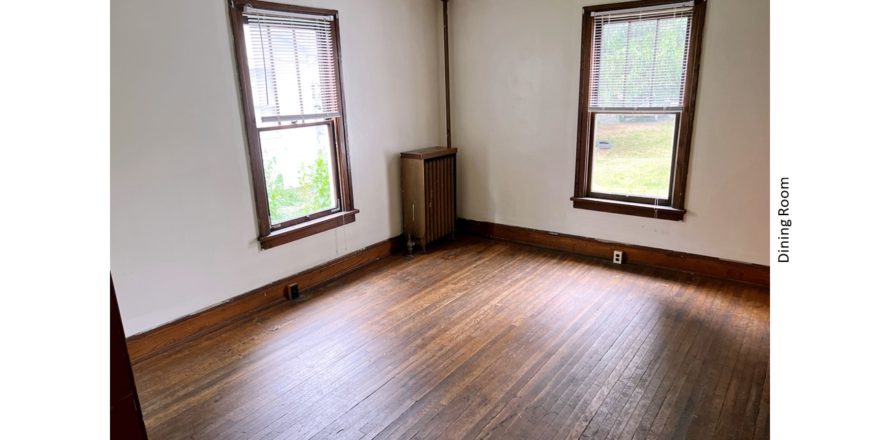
(152, 342)
(754, 274)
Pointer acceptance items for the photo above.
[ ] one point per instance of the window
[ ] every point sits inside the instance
(289, 73)
(639, 63)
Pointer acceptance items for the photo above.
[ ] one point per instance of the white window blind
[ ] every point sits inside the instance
(639, 58)
(292, 64)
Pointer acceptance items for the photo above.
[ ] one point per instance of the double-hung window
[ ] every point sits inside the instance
(638, 88)
(289, 73)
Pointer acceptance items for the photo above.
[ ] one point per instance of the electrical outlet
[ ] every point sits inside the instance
(292, 291)
(618, 257)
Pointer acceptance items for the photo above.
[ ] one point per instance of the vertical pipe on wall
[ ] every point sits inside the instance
(446, 68)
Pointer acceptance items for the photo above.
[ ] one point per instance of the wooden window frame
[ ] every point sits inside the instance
(274, 235)
(671, 208)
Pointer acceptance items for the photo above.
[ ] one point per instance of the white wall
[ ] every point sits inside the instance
(183, 225)
(515, 97)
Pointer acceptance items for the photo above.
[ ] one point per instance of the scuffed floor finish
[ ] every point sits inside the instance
(479, 339)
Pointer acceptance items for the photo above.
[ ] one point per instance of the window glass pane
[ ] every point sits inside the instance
(291, 71)
(300, 177)
(639, 62)
(632, 154)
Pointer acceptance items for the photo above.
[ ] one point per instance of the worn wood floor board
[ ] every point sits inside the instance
(429, 405)
(763, 423)
(371, 415)
(391, 355)
(678, 410)
(652, 365)
(585, 366)
(748, 378)
(478, 339)
(671, 402)
(621, 388)
(470, 404)
(520, 393)
(711, 394)
(463, 329)
(590, 405)
(380, 368)
(299, 373)
(636, 367)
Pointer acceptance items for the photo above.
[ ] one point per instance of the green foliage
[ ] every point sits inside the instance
(281, 197)
(316, 178)
(311, 194)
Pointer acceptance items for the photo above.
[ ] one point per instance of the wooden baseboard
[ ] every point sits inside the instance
(152, 342)
(755, 274)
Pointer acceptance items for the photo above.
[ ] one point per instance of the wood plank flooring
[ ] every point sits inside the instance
(479, 339)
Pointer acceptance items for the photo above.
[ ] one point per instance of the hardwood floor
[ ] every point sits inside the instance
(479, 339)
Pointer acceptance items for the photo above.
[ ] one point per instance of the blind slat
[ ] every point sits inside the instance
(639, 59)
(292, 63)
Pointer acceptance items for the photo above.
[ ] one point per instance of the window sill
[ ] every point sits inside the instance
(303, 230)
(629, 208)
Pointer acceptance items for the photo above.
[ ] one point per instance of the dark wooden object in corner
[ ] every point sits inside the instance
(126, 420)
(428, 186)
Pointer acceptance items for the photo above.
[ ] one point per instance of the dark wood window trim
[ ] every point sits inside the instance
(295, 229)
(673, 207)
(629, 208)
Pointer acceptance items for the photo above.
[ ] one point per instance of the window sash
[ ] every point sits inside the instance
(334, 178)
(334, 181)
(292, 66)
(626, 72)
(667, 201)
(280, 47)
